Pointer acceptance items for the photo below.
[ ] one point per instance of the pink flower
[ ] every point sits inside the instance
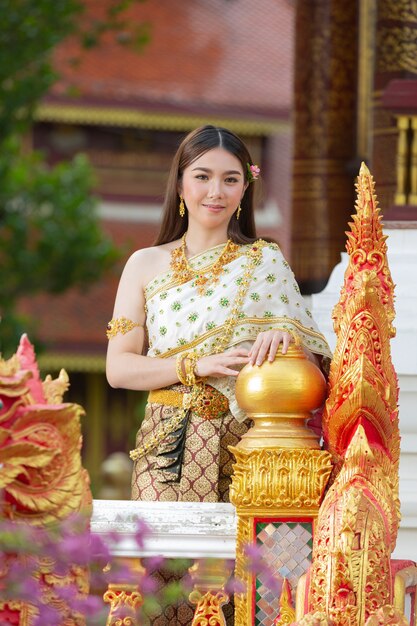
(255, 171)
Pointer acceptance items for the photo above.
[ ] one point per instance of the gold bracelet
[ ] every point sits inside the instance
(190, 365)
(179, 370)
(189, 374)
(120, 325)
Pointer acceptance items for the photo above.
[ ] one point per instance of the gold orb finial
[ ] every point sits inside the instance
(279, 396)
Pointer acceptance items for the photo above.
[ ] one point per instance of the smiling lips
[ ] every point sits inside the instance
(214, 207)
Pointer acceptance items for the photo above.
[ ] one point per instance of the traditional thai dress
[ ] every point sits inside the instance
(182, 446)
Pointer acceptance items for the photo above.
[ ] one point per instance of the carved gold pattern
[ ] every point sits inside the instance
(279, 479)
(42, 478)
(315, 619)
(42, 473)
(396, 36)
(54, 389)
(9, 367)
(243, 601)
(362, 377)
(387, 615)
(398, 49)
(209, 608)
(352, 552)
(399, 10)
(209, 577)
(271, 482)
(126, 597)
(350, 578)
(286, 609)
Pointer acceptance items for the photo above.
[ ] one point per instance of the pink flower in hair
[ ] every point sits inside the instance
(253, 172)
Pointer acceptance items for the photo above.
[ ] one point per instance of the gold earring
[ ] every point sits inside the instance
(239, 208)
(182, 206)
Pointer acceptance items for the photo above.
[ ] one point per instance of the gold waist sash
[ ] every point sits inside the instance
(208, 403)
(204, 400)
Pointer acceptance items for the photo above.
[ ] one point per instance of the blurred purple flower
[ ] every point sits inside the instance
(121, 573)
(253, 553)
(234, 585)
(99, 550)
(155, 562)
(88, 606)
(148, 585)
(142, 532)
(47, 616)
(66, 544)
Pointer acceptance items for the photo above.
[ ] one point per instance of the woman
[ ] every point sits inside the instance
(208, 298)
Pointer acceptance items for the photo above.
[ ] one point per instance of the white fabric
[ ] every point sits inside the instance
(179, 319)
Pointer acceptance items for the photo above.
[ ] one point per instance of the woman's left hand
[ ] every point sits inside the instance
(266, 345)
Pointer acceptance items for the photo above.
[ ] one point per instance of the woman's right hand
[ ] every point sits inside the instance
(219, 365)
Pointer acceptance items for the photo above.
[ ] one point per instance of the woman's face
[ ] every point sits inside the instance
(212, 187)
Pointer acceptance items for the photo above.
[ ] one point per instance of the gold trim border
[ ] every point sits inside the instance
(128, 117)
(244, 336)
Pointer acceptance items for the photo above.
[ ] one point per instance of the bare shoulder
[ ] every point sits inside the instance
(149, 262)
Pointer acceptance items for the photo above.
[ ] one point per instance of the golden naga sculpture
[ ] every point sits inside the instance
(42, 478)
(350, 579)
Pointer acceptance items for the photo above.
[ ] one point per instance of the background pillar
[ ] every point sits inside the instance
(325, 136)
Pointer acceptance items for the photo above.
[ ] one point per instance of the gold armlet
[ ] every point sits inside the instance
(120, 325)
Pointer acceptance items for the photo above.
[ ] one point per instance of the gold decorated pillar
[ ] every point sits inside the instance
(324, 142)
(394, 108)
(278, 482)
(125, 598)
(209, 577)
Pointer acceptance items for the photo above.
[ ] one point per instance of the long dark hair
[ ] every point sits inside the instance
(195, 144)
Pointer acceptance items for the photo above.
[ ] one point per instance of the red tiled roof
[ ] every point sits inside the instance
(223, 54)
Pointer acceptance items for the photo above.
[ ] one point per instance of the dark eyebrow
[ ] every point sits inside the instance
(206, 169)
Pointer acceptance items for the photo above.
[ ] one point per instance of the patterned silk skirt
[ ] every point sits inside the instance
(205, 476)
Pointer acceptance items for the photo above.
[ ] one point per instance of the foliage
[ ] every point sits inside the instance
(29, 32)
(50, 239)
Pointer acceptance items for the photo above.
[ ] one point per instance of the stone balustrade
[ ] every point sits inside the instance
(179, 529)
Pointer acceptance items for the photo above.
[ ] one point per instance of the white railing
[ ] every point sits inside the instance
(179, 529)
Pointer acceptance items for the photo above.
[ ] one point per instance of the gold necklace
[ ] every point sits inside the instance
(183, 272)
